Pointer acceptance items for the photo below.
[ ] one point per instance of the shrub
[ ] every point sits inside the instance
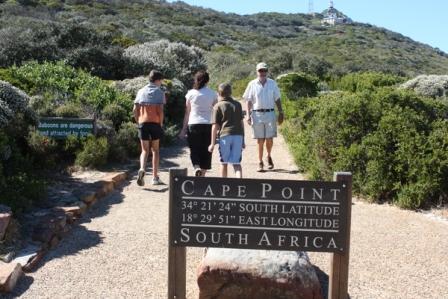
(72, 145)
(59, 84)
(395, 143)
(298, 85)
(175, 106)
(239, 86)
(94, 154)
(364, 81)
(21, 44)
(174, 60)
(42, 148)
(106, 63)
(131, 86)
(69, 110)
(116, 114)
(13, 101)
(125, 144)
(20, 185)
(429, 85)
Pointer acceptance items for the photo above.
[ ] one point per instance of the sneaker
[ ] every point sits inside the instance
(140, 180)
(156, 181)
(270, 163)
(197, 172)
(260, 167)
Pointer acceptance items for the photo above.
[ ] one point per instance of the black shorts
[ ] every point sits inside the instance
(150, 131)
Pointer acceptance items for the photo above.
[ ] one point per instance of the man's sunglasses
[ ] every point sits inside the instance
(263, 71)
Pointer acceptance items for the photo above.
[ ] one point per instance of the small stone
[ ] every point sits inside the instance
(9, 275)
(26, 254)
(54, 242)
(34, 261)
(116, 177)
(5, 218)
(7, 258)
(87, 196)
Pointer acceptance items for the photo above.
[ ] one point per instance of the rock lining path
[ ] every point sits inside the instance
(119, 250)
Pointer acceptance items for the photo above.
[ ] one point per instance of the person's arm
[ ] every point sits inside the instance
(247, 97)
(183, 132)
(249, 112)
(215, 129)
(244, 142)
(281, 115)
(135, 112)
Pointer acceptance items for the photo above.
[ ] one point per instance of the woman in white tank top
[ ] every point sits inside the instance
(197, 122)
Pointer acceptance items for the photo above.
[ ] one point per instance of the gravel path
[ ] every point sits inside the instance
(120, 250)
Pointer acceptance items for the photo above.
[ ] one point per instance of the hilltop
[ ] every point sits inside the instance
(232, 42)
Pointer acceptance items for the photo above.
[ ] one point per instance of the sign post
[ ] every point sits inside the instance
(177, 260)
(338, 278)
(259, 214)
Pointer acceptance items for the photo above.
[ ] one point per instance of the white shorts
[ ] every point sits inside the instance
(264, 124)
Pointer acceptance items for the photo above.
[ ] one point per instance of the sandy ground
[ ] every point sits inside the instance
(119, 250)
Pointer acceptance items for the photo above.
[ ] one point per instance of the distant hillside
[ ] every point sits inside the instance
(234, 42)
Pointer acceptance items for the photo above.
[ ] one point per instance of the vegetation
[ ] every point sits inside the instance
(350, 104)
(429, 85)
(393, 141)
(98, 36)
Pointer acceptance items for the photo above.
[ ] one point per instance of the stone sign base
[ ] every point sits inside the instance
(254, 274)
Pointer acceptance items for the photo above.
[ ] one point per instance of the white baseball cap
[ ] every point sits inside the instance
(262, 66)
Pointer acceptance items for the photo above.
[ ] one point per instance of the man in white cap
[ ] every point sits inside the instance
(261, 95)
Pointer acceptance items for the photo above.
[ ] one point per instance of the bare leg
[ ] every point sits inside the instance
(155, 157)
(269, 145)
(203, 171)
(260, 142)
(224, 170)
(238, 171)
(144, 155)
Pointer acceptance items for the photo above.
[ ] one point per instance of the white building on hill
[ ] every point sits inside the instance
(331, 17)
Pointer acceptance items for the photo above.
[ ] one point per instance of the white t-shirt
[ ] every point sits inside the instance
(262, 97)
(201, 102)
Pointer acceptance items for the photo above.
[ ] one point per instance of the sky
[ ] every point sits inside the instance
(422, 21)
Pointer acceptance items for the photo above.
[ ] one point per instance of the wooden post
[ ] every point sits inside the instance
(177, 260)
(338, 280)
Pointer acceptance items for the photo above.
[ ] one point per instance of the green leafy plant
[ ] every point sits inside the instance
(94, 153)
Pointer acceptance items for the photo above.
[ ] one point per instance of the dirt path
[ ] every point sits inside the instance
(121, 252)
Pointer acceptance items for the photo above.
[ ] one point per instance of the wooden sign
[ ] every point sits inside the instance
(60, 128)
(259, 214)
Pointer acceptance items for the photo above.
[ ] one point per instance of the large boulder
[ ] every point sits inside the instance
(254, 274)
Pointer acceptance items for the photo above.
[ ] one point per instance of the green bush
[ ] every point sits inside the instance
(20, 183)
(239, 86)
(126, 142)
(298, 85)
(72, 145)
(69, 110)
(116, 114)
(364, 81)
(59, 84)
(94, 153)
(43, 149)
(394, 142)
